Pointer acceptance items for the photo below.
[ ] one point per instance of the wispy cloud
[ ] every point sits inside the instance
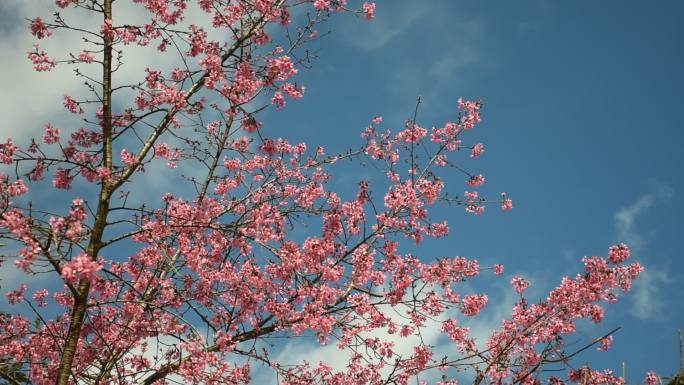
(32, 99)
(388, 25)
(625, 218)
(647, 303)
(435, 72)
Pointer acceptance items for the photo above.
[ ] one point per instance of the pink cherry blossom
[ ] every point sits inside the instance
(473, 304)
(82, 267)
(17, 296)
(107, 30)
(476, 180)
(278, 100)
(250, 124)
(40, 296)
(519, 284)
(619, 253)
(281, 68)
(62, 179)
(7, 151)
(127, 158)
(71, 105)
(652, 378)
(324, 5)
(478, 149)
(41, 61)
(39, 29)
(51, 135)
(369, 10)
(506, 202)
(65, 3)
(17, 188)
(606, 343)
(86, 57)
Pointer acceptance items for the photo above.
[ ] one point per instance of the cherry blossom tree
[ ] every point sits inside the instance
(191, 285)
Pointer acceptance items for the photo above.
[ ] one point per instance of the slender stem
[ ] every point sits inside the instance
(413, 127)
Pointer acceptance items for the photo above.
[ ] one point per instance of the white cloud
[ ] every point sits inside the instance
(389, 23)
(647, 296)
(647, 303)
(625, 221)
(11, 278)
(32, 99)
(457, 59)
(298, 351)
(434, 73)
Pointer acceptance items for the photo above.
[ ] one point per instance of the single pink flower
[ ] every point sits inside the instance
(369, 10)
(477, 150)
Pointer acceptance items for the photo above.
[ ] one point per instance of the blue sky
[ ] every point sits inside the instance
(582, 127)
